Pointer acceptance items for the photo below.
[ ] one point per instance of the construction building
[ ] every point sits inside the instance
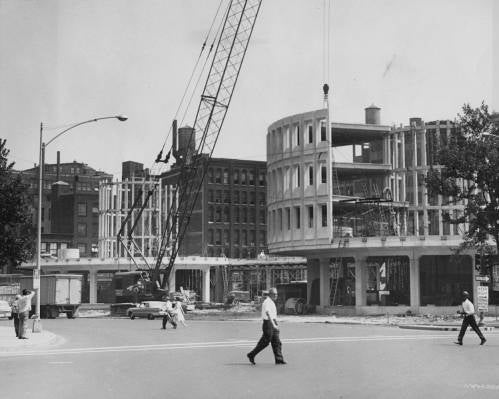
(375, 242)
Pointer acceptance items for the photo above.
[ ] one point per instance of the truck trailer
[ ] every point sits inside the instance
(60, 293)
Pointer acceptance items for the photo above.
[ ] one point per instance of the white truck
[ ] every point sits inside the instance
(59, 293)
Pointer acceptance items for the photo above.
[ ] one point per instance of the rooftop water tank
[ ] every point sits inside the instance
(373, 115)
(186, 140)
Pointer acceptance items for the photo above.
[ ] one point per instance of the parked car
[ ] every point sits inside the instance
(5, 310)
(147, 309)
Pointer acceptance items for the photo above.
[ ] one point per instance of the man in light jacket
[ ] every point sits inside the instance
(24, 306)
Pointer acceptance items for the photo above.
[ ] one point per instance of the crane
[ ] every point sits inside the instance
(237, 28)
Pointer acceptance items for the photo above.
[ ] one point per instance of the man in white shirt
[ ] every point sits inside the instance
(24, 307)
(468, 312)
(270, 330)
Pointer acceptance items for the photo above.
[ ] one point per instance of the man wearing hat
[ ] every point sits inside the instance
(270, 330)
(468, 312)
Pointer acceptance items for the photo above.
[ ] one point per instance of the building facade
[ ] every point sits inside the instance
(373, 238)
(69, 205)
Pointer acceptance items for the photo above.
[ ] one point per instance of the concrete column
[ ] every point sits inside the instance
(171, 280)
(360, 282)
(268, 277)
(206, 285)
(324, 282)
(92, 280)
(414, 283)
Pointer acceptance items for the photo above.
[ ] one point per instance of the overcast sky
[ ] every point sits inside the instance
(67, 61)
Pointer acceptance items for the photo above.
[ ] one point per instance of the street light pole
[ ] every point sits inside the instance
(37, 326)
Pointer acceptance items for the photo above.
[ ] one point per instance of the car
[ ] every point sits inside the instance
(5, 310)
(147, 309)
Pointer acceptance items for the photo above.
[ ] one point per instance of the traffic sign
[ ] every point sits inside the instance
(484, 279)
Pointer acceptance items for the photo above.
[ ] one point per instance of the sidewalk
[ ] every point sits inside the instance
(10, 343)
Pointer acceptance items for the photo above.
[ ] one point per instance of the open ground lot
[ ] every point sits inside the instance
(121, 358)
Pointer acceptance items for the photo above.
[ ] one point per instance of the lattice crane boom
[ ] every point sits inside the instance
(235, 35)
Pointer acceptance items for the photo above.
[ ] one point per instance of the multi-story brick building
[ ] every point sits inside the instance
(70, 201)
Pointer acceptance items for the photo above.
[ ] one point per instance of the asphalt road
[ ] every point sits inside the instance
(121, 358)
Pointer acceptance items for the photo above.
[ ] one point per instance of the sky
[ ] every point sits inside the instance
(67, 61)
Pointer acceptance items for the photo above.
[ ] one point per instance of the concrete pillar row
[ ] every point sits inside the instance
(325, 285)
(360, 281)
(92, 280)
(206, 285)
(414, 283)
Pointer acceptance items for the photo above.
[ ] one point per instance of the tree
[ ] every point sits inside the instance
(466, 170)
(16, 229)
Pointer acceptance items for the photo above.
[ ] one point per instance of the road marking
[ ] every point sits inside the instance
(60, 362)
(222, 344)
(482, 386)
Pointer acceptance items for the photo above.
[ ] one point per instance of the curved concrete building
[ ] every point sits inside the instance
(359, 212)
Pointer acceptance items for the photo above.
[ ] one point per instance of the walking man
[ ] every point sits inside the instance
(270, 330)
(468, 312)
(24, 304)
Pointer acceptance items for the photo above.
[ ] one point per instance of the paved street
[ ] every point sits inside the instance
(121, 358)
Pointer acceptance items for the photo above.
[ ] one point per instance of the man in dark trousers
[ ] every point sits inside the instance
(468, 312)
(270, 330)
(15, 314)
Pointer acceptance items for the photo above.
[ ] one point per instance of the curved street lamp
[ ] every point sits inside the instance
(37, 327)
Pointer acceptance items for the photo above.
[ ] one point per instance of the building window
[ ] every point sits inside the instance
(236, 215)
(262, 239)
(211, 196)
(261, 178)
(245, 237)
(82, 229)
(211, 214)
(82, 209)
(211, 237)
(236, 197)
(288, 218)
(226, 197)
(297, 217)
(226, 176)
(226, 237)
(226, 214)
(82, 248)
(218, 214)
(218, 237)
(262, 216)
(310, 212)
(236, 237)
(323, 175)
(245, 215)
(243, 176)
(297, 135)
(218, 176)
(235, 177)
(310, 130)
(279, 219)
(252, 196)
(323, 131)
(310, 175)
(324, 215)
(297, 176)
(251, 178)
(244, 197)
(211, 178)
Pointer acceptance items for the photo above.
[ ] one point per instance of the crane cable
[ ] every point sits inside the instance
(186, 90)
